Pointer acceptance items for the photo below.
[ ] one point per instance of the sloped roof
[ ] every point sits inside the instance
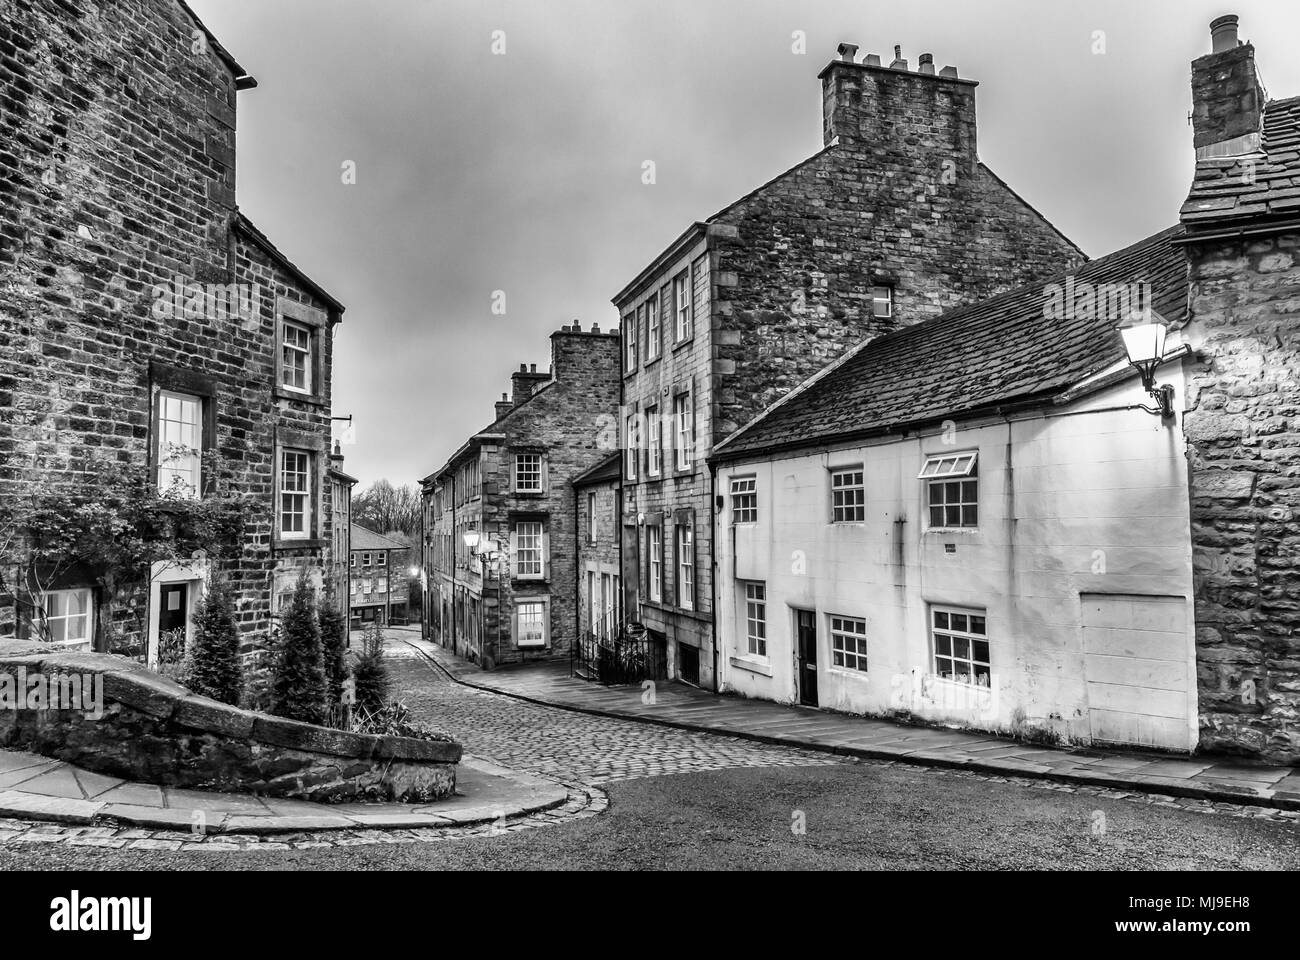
(251, 231)
(608, 469)
(1003, 350)
(243, 80)
(363, 538)
(1260, 185)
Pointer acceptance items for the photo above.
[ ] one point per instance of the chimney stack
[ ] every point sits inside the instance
(524, 382)
(905, 112)
(1227, 98)
(504, 405)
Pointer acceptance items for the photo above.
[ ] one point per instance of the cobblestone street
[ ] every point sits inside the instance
(565, 745)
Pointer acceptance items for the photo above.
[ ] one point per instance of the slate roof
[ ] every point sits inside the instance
(998, 352)
(608, 469)
(1261, 185)
(363, 538)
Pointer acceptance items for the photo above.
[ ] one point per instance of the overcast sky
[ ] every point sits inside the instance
(478, 172)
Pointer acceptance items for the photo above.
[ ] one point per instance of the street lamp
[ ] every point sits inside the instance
(1144, 342)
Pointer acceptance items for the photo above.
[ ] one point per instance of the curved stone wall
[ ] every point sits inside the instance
(116, 717)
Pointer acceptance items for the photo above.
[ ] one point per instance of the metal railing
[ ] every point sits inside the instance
(628, 657)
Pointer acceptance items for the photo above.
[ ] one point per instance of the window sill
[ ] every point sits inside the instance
(862, 675)
(311, 399)
(683, 344)
(280, 545)
(752, 666)
(952, 531)
(651, 362)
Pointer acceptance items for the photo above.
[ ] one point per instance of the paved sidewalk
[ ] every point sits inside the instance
(37, 788)
(685, 707)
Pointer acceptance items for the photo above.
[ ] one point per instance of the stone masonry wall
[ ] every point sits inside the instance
(1243, 431)
(117, 174)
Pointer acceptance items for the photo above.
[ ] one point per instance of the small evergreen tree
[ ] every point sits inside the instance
(212, 667)
(299, 687)
(334, 644)
(370, 673)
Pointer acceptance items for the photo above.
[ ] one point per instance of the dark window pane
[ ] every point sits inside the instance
(972, 516)
(970, 491)
(959, 621)
(941, 620)
(942, 644)
(976, 624)
(952, 516)
(961, 647)
(982, 650)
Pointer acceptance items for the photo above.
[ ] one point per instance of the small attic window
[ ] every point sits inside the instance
(882, 302)
(943, 467)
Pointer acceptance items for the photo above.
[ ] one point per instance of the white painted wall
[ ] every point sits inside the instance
(1093, 502)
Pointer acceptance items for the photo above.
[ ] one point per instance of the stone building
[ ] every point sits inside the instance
(1243, 418)
(154, 344)
(597, 541)
(893, 222)
(379, 568)
(500, 516)
(1006, 538)
(995, 537)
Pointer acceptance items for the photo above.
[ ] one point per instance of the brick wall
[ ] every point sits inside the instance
(1243, 431)
(119, 177)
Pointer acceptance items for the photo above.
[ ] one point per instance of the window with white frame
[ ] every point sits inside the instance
(686, 567)
(654, 448)
(685, 427)
(655, 555)
(848, 495)
(633, 440)
(295, 357)
(381, 558)
(367, 560)
(744, 499)
(352, 560)
(952, 490)
(682, 303)
(68, 616)
(295, 494)
(849, 643)
(180, 444)
(528, 546)
(593, 608)
(756, 618)
(961, 645)
(528, 472)
(882, 302)
(592, 530)
(630, 333)
(652, 329)
(530, 623)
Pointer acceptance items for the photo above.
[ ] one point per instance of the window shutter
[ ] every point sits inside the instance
(695, 451)
(514, 553)
(155, 434)
(546, 553)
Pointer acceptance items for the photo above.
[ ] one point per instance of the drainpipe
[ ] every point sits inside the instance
(713, 529)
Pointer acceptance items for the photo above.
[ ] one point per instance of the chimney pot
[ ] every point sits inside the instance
(949, 72)
(873, 60)
(532, 368)
(595, 328)
(523, 368)
(926, 64)
(847, 51)
(577, 326)
(1223, 33)
(899, 63)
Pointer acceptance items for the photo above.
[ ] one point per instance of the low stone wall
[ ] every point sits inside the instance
(132, 723)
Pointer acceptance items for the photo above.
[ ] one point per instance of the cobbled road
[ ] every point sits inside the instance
(568, 746)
